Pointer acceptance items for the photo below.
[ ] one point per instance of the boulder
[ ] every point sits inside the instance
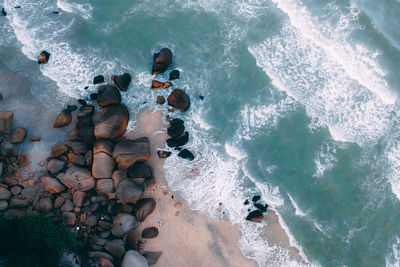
(176, 128)
(54, 166)
(85, 112)
(63, 119)
(58, 202)
(4, 193)
(18, 136)
(122, 81)
(163, 154)
(103, 165)
(98, 254)
(6, 122)
(78, 178)
(128, 191)
(3, 205)
(19, 202)
(78, 197)
(67, 206)
(91, 220)
(255, 216)
(115, 247)
(179, 100)
(144, 207)
(152, 257)
(103, 262)
(178, 141)
(122, 223)
(15, 190)
(140, 170)
(112, 122)
(131, 239)
(58, 150)
(104, 146)
(86, 134)
(69, 218)
(186, 154)
(150, 232)
(80, 147)
(160, 100)
(44, 205)
(98, 79)
(118, 176)
(43, 57)
(108, 95)
(159, 85)
(104, 186)
(127, 152)
(162, 61)
(260, 207)
(173, 75)
(77, 159)
(52, 185)
(133, 258)
(256, 198)
(89, 158)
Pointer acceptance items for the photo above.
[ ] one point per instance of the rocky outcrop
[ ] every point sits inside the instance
(63, 119)
(122, 223)
(179, 100)
(6, 122)
(162, 61)
(108, 95)
(78, 178)
(122, 81)
(43, 57)
(160, 85)
(112, 122)
(18, 136)
(128, 191)
(144, 207)
(127, 152)
(133, 258)
(52, 185)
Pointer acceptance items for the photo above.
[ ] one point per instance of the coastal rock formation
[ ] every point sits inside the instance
(140, 170)
(52, 185)
(144, 207)
(123, 223)
(176, 128)
(112, 123)
(178, 141)
(133, 258)
(63, 119)
(150, 232)
(127, 152)
(160, 85)
(18, 136)
(162, 61)
(108, 95)
(255, 216)
(43, 57)
(6, 122)
(260, 207)
(128, 191)
(98, 79)
(103, 165)
(186, 154)
(78, 178)
(58, 150)
(173, 75)
(122, 81)
(179, 100)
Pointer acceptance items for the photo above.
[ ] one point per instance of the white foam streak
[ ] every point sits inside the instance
(298, 212)
(393, 258)
(84, 10)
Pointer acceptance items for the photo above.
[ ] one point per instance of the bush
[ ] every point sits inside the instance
(33, 241)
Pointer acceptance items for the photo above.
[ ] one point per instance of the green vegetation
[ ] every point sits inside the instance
(33, 241)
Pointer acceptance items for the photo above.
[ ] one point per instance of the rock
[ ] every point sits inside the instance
(104, 146)
(163, 154)
(72, 108)
(104, 224)
(10, 181)
(173, 75)
(89, 158)
(58, 150)
(133, 258)
(150, 232)
(67, 206)
(85, 111)
(15, 190)
(246, 202)
(97, 199)
(160, 100)
(76, 159)
(3, 205)
(29, 192)
(34, 139)
(86, 134)
(19, 202)
(104, 186)
(58, 202)
(103, 262)
(43, 57)
(18, 136)
(45, 205)
(140, 170)
(52, 185)
(256, 198)
(78, 178)
(78, 197)
(186, 154)
(108, 95)
(103, 166)
(98, 254)
(128, 191)
(6, 122)
(69, 218)
(127, 152)
(255, 216)
(261, 207)
(123, 223)
(152, 257)
(63, 119)
(144, 207)
(4, 194)
(112, 122)
(118, 176)
(160, 85)
(162, 61)
(179, 100)
(178, 142)
(54, 166)
(3, 12)
(98, 79)
(91, 220)
(122, 81)
(80, 147)
(176, 128)
(115, 247)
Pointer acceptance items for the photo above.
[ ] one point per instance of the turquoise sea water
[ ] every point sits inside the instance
(300, 106)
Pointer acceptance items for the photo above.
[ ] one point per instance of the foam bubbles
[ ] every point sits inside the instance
(298, 212)
(84, 10)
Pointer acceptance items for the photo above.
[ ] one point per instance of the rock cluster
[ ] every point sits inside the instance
(257, 214)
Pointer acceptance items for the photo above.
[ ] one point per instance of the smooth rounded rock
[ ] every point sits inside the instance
(150, 232)
(179, 100)
(69, 218)
(54, 166)
(127, 152)
(18, 136)
(104, 186)
(4, 194)
(112, 122)
(122, 223)
(115, 247)
(52, 185)
(44, 205)
(122, 81)
(133, 258)
(78, 178)
(63, 119)
(128, 191)
(144, 207)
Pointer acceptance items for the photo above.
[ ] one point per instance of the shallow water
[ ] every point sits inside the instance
(300, 106)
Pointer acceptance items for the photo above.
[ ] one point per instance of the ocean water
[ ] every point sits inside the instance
(301, 106)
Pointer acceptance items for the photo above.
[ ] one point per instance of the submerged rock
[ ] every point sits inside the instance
(122, 81)
(43, 57)
(255, 216)
(173, 75)
(176, 128)
(18, 136)
(162, 61)
(179, 141)
(186, 154)
(179, 100)
(160, 85)
(160, 100)
(256, 198)
(98, 79)
(63, 119)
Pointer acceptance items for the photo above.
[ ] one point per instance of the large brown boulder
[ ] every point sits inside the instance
(122, 81)
(44, 205)
(118, 176)
(255, 216)
(18, 136)
(76, 159)
(58, 150)
(128, 191)
(123, 223)
(43, 57)
(108, 95)
(55, 165)
(179, 100)
(144, 207)
(112, 122)
(104, 186)
(6, 122)
(52, 185)
(80, 147)
(78, 178)
(127, 152)
(105, 146)
(103, 165)
(162, 61)
(176, 128)
(140, 170)
(63, 119)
